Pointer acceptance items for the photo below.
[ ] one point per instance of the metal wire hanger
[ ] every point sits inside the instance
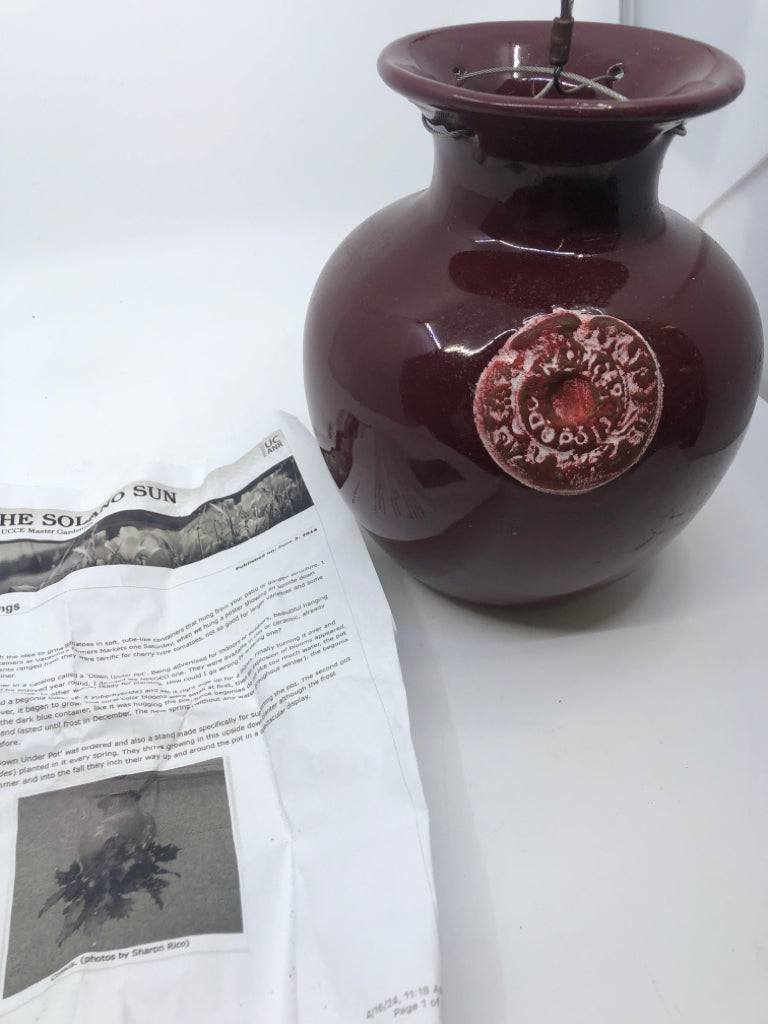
(566, 83)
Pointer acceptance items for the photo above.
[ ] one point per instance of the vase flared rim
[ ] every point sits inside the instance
(666, 77)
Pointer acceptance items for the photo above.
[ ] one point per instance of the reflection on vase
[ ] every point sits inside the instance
(401, 484)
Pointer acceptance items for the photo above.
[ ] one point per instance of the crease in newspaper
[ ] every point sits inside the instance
(415, 798)
(289, 911)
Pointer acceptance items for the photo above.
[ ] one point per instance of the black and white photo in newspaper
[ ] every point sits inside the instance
(209, 802)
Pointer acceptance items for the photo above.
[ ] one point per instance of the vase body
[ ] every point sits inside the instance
(529, 377)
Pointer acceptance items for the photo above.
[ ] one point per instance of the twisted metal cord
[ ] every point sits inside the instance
(557, 72)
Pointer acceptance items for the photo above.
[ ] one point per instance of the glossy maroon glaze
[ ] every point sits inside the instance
(548, 205)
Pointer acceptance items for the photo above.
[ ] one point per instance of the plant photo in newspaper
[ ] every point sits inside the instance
(210, 807)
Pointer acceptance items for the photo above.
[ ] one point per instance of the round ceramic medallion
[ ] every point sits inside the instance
(569, 402)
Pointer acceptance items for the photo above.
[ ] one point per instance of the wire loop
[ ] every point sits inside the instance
(445, 133)
(566, 82)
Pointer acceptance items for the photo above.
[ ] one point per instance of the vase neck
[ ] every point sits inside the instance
(582, 206)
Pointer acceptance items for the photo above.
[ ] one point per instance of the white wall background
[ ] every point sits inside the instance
(127, 118)
(156, 155)
(718, 174)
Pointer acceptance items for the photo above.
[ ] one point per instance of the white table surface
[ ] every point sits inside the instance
(597, 779)
(596, 772)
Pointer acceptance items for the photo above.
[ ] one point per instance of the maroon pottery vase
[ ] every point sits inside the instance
(529, 377)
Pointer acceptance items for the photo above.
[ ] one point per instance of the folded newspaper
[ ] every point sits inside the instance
(210, 808)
